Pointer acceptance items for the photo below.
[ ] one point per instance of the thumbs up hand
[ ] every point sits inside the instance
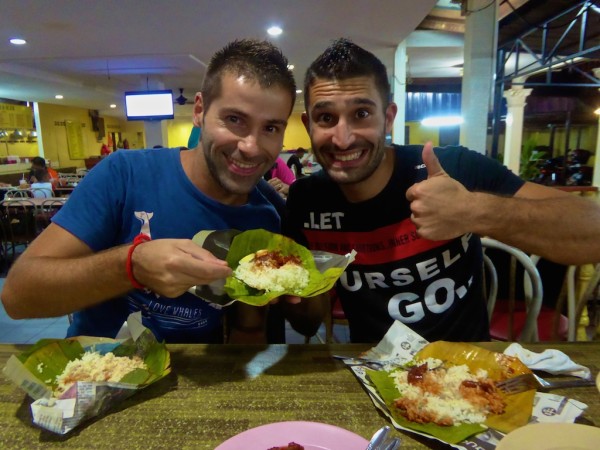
(439, 204)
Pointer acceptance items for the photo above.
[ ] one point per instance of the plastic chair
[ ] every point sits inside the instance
(508, 320)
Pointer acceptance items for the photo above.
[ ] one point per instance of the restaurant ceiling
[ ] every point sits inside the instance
(93, 51)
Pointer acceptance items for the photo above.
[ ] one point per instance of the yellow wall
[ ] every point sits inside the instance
(178, 132)
(295, 134)
(419, 134)
(54, 134)
(587, 139)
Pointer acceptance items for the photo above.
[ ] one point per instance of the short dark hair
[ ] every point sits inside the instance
(38, 161)
(41, 175)
(257, 60)
(342, 60)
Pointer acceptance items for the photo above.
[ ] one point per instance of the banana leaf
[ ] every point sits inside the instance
(251, 241)
(499, 367)
(35, 371)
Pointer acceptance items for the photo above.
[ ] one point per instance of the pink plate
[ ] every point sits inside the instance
(311, 435)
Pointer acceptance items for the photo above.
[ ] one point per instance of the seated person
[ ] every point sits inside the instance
(122, 243)
(280, 176)
(40, 163)
(40, 184)
(294, 162)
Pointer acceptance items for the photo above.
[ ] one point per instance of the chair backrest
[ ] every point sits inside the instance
(532, 283)
(46, 211)
(19, 193)
(19, 219)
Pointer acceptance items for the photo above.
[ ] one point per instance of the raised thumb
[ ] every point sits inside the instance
(431, 161)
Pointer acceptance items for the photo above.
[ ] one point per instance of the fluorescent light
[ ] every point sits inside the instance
(275, 31)
(18, 41)
(298, 91)
(442, 121)
(113, 106)
(58, 97)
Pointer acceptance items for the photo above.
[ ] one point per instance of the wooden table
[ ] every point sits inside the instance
(217, 391)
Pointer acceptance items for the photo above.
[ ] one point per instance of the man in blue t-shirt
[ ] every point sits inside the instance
(122, 243)
(414, 215)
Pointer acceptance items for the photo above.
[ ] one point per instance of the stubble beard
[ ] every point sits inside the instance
(222, 178)
(358, 175)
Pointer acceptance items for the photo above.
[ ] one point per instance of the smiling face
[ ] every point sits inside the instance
(242, 135)
(347, 122)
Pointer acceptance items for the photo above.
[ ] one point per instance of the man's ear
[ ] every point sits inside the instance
(198, 110)
(305, 121)
(390, 114)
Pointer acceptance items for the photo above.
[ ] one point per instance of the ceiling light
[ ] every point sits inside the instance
(18, 41)
(275, 31)
(442, 121)
(113, 106)
(298, 91)
(290, 67)
(58, 97)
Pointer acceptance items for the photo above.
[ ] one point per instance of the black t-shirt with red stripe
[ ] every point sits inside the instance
(434, 287)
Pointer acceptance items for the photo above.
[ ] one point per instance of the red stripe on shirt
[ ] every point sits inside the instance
(379, 246)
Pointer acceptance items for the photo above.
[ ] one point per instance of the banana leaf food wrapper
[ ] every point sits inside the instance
(498, 366)
(323, 268)
(36, 371)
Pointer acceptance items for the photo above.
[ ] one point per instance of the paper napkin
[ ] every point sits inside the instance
(551, 361)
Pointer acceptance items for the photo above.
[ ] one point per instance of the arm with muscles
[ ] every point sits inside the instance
(59, 274)
(544, 221)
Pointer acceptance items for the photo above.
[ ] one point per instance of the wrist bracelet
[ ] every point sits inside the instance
(139, 239)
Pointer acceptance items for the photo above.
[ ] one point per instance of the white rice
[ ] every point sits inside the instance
(93, 366)
(290, 277)
(447, 403)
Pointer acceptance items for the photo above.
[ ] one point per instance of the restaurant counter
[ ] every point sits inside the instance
(217, 391)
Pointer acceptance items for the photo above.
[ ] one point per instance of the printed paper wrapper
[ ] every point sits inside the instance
(35, 372)
(401, 345)
(324, 268)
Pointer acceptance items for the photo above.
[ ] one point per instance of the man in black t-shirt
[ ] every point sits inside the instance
(414, 214)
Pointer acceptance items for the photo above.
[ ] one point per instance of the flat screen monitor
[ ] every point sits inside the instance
(149, 105)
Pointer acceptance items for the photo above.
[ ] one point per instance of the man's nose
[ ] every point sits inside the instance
(343, 135)
(249, 144)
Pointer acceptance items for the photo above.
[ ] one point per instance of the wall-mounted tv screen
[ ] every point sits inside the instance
(149, 105)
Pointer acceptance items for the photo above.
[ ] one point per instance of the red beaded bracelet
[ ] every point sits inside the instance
(139, 239)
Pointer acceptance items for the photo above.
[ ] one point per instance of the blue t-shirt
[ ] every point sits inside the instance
(148, 191)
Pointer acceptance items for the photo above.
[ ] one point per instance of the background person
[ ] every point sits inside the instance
(40, 184)
(294, 162)
(85, 262)
(280, 176)
(40, 163)
(414, 214)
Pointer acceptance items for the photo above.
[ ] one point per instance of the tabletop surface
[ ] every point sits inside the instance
(217, 391)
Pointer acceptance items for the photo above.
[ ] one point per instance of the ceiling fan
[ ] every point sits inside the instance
(181, 100)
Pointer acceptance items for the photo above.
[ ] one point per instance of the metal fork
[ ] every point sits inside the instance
(382, 441)
(522, 383)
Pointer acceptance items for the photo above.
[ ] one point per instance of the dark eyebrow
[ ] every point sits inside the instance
(244, 115)
(355, 101)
